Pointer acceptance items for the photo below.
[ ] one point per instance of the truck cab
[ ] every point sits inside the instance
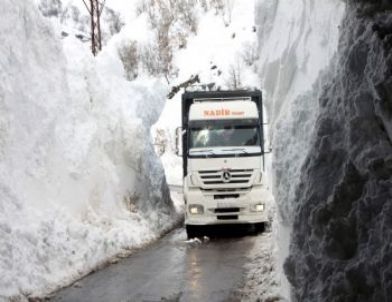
(223, 157)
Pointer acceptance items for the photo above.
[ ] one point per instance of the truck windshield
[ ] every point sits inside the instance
(224, 136)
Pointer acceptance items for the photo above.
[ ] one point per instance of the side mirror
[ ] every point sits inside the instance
(179, 134)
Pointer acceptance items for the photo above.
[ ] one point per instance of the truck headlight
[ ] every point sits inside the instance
(196, 209)
(257, 207)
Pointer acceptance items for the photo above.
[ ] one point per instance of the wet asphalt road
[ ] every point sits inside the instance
(170, 270)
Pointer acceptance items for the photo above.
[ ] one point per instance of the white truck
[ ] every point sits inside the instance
(223, 157)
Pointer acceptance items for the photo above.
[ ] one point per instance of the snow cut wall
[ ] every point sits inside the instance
(341, 240)
(298, 41)
(332, 137)
(79, 180)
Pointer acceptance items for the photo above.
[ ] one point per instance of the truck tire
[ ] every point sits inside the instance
(193, 231)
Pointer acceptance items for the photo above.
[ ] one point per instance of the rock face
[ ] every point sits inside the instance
(341, 239)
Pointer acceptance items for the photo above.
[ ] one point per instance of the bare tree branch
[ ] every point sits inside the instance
(88, 9)
(175, 89)
(95, 10)
(102, 7)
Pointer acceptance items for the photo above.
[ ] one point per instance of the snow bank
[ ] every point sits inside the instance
(261, 280)
(297, 43)
(341, 247)
(79, 180)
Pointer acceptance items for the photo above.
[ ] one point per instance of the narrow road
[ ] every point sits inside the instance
(172, 269)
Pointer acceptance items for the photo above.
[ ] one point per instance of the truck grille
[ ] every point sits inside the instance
(220, 177)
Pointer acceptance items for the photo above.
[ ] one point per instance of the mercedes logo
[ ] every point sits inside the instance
(226, 176)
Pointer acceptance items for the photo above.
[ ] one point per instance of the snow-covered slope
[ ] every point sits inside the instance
(341, 247)
(79, 180)
(71, 17)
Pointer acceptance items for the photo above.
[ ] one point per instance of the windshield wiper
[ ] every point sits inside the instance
(200, 151)
(197, 151)
(236, 149)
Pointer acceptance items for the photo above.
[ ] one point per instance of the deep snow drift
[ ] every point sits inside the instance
(79, 179)
(341, 241)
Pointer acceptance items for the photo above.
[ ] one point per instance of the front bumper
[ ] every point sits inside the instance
(226, 210)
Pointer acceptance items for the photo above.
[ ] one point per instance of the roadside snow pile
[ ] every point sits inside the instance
(341, 243)
(262, 280)
(79, 179)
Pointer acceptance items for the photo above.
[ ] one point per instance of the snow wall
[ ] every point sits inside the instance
(333, 147)
(342, 231)
(79, 180)
(297, 42)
